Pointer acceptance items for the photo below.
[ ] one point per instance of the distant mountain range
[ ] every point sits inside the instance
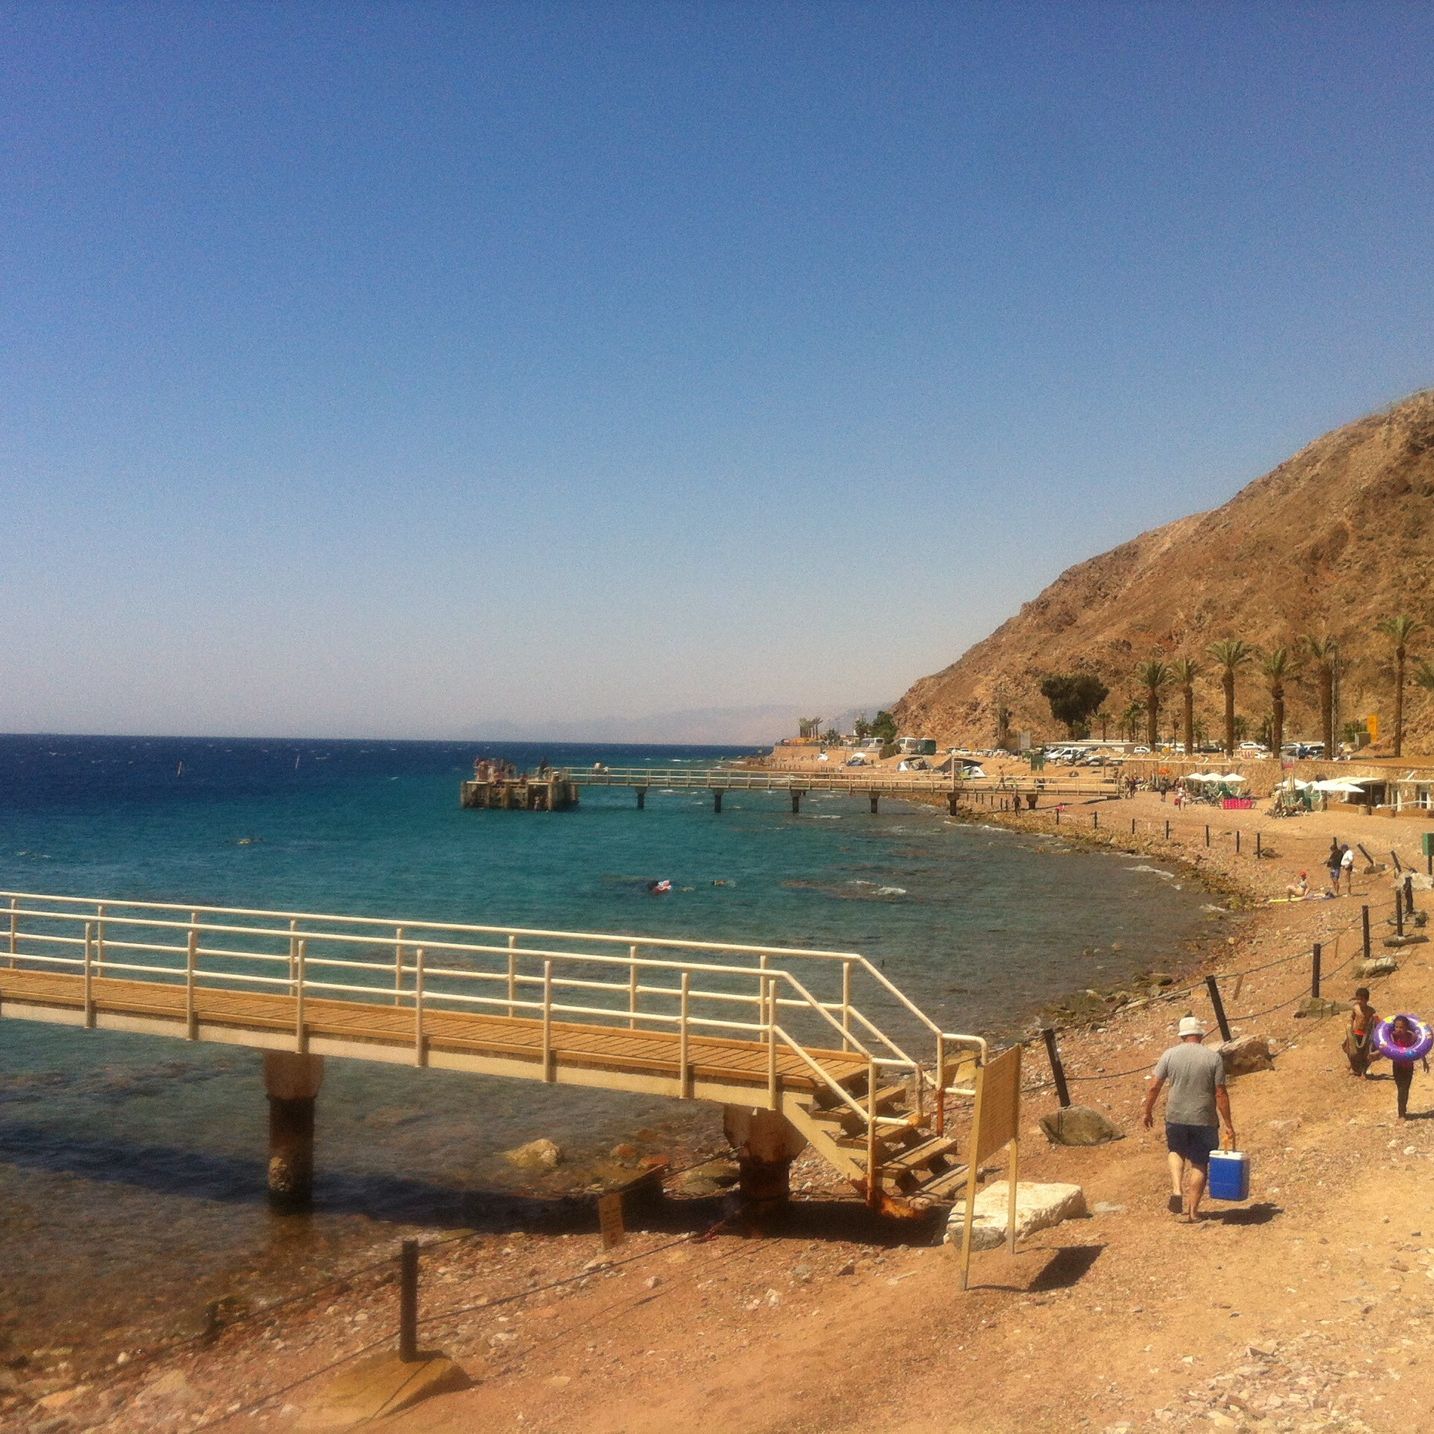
(703, 726)
(1332, 541)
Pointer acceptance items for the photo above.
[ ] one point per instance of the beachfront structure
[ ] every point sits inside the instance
(787, 1040)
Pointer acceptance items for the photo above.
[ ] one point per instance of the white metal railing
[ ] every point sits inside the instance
(803, 1001)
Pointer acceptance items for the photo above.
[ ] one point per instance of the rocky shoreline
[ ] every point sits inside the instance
(561, 1335)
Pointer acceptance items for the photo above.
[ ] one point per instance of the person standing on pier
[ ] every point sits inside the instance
(1198, 1102)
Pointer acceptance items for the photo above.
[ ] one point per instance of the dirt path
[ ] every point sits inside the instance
(1306, 1309)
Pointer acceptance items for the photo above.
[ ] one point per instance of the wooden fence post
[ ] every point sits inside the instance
(1219, 1006)
(1058, 1071)
(408, 1301)
(1314, 970)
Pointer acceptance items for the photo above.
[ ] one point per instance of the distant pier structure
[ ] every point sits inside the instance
(499, 785)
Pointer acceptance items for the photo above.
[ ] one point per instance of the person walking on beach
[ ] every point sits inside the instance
(1335, 862)
(1346, 865)
(1198, 1103)
(1361, 1032)
(1403, 1034)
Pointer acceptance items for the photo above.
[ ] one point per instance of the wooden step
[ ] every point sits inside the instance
(913, 1157)
(895, 1140)
(943, 1186)
(843, 1119)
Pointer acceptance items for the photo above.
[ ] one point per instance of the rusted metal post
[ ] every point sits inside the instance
(1058, 1071)
(408, 1301)
(1219, 1006)
(1409, 896)
(1314, 970)
(1237, 841)
(1258, 844)
(1364, 921)
(1167, 828)
(1207, 833)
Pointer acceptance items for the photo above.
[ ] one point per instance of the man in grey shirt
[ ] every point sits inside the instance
(1198, 1101)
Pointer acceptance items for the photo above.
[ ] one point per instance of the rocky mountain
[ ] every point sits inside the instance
(1332, 541)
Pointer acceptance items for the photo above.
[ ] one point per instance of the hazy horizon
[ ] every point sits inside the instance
(369, 367)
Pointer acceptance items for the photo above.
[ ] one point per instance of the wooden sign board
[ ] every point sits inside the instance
(998, 1105)
(995, 1126)
(610, 1220)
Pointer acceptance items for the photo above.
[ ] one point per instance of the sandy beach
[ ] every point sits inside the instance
(1304, 1309)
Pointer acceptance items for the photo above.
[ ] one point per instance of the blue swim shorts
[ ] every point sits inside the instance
(1193, 1142)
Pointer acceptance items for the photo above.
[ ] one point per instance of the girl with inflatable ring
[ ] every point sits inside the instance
(1404, 1040)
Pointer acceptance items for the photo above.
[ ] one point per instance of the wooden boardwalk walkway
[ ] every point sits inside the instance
(768, 1028)
(570, 1052)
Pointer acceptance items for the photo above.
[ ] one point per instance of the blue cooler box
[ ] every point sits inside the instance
(1229, 1175)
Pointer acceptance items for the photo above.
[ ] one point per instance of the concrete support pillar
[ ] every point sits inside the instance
(953, 803)
(796, 803)
(766, 1143)
(641, 798)
(874, 800)
(291, 1082)
(716, 800)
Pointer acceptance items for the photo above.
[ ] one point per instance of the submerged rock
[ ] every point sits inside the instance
(535, 1155)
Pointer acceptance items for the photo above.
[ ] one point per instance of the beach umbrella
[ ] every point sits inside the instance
(1230, 777)
(1341, 784)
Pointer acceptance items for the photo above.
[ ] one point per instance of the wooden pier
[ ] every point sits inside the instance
(785, 1039)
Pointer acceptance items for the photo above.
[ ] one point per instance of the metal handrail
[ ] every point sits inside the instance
(297, 940)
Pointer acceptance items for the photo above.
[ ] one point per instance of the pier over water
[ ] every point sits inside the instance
(799, 1046)
(553, 790)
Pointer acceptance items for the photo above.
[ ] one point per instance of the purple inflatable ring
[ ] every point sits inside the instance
(1388, 1047)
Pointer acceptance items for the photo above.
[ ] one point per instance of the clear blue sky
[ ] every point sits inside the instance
(379, 369)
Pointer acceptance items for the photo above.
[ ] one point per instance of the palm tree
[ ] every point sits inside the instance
(1155, 677)
(1230, 653)
(1185, 670)
(1276, 667)
(1130, 720)
(1424, 675)
(1324, 653)
(1399, 630)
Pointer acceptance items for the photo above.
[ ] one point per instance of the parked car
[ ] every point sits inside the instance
(1253, 749)
(1141, 751)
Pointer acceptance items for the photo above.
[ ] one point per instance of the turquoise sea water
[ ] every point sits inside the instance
(140, 1157)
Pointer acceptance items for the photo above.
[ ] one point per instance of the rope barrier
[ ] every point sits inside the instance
(147, 1357)
(446, 1316)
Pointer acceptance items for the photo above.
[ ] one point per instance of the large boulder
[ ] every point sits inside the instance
(1080, 1125)
(1377, 966)
(1038, 1207)
(1245, 1054)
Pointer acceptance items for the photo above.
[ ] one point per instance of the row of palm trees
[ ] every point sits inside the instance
(1278, 665)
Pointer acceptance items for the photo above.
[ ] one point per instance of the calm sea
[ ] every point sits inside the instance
(141, 1161)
